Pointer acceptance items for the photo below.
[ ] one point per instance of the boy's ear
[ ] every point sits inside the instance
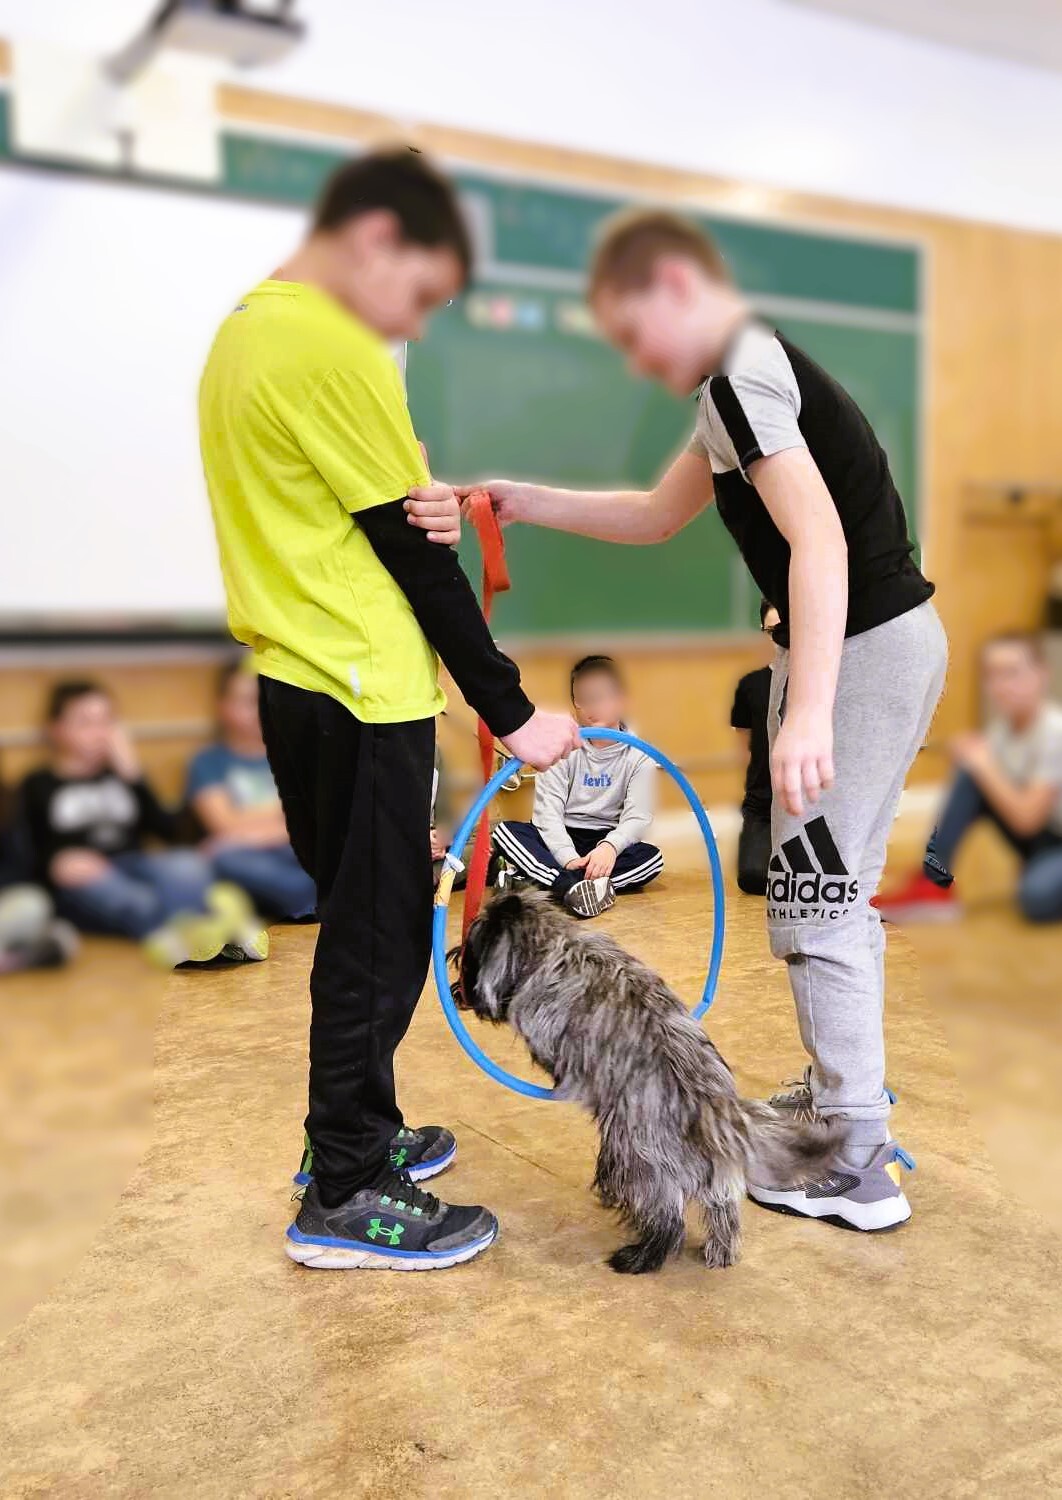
(676, 274)
(375, 231)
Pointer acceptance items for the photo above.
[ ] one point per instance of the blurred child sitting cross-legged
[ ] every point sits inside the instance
(31, 936)
(591, 811)
(87, 815)
(232, 793)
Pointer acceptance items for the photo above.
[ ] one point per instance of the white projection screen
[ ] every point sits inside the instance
(109, 296)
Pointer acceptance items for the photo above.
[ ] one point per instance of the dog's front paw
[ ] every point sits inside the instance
(635, 1260)
(718, 1257)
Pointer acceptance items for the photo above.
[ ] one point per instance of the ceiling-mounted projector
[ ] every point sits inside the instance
(244, 33)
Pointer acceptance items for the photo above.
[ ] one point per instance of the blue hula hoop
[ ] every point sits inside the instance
(453, 863)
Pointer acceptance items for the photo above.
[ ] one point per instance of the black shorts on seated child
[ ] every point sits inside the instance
(601, 793)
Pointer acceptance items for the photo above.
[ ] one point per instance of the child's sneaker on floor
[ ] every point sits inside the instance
(25, 912)
(394, 1226)
(866, 1198)
(589, 898)
(503, 876)
(919, 899)
(190, 938)
(55, 946)
(421, 1153)
(245, 935)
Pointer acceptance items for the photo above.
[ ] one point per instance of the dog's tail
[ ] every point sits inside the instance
(776, 1151)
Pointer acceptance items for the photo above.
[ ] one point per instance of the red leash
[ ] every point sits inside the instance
(496, 580)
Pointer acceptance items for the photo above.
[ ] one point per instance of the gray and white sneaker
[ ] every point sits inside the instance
(866, 1198)
(589, 898)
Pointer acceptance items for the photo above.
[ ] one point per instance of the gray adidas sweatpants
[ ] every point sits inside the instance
(826, 865)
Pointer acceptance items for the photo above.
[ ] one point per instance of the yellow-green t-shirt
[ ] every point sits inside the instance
(303, 423)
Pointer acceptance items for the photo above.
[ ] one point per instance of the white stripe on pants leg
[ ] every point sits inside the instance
(511, 846)
(640, 874)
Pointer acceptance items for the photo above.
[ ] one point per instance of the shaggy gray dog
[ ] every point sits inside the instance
(615, 1038)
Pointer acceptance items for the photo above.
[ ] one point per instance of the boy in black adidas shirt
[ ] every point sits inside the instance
(803, 486)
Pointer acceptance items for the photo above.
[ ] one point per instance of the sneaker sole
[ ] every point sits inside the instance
(866, 1218)
(339, 1255)
(419, 1173)
(591, 906)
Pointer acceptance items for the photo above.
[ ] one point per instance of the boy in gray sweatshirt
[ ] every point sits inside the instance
(586, 838)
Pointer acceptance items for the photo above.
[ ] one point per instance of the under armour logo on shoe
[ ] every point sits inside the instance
(391, 1232)
(813, 878)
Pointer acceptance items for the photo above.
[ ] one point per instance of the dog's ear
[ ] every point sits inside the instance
(507, 907)
(492, 987)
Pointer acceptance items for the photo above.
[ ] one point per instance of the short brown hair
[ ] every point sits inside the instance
(631, 243)
(588, 665)
(404, 182)
(63, 694)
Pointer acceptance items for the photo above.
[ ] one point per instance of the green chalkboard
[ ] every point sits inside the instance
(539, 403)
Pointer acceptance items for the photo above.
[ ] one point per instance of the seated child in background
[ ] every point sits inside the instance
(585, 840)
(86, 816)
(31, 937)
(1011, 775)
(749, 717)
(232, 794)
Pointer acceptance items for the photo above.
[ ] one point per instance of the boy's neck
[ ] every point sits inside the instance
(602, 744)
(249, 746)
(1025, 718)
(71, 765)
(315, 264)
(726, 329)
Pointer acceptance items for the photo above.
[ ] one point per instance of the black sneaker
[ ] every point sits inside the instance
(395, 1226)
(422, 1153)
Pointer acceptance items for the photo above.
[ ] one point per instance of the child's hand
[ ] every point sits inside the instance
(802, 761)
(577, 864)
(436, 510)
(78, 867)
(507, 495)
(971, 751)
(123, 756)
(600, 861)
(437, 843)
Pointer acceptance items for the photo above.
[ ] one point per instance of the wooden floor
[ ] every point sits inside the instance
(175, 1351)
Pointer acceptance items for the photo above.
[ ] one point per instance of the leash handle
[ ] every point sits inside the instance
(496, 580)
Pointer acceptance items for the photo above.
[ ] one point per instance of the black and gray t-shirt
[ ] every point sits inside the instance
(770, 396)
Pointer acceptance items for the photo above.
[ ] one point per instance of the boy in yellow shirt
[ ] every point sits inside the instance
(340, 576)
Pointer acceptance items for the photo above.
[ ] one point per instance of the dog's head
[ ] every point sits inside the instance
(500, 951)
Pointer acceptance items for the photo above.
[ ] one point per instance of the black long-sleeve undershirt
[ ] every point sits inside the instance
(445, 606)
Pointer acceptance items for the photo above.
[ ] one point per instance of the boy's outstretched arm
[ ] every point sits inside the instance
(795, 494)
(633, 516)
(447, 611)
